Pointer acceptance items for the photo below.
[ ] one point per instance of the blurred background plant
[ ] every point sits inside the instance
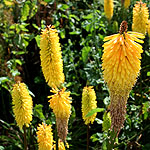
(82, 26)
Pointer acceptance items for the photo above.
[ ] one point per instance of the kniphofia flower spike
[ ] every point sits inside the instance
(22, 104)
(108, 8)
(60, 102)
(88, 103)
(44, 137)
(51, 58)
(140, 17)
(121, 66)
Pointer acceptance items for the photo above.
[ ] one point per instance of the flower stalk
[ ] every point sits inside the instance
(25, 137)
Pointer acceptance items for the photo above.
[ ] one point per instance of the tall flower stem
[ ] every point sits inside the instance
(88, 134)
(25, 137)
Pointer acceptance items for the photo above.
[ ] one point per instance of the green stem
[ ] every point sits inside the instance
(88, 130)
(25, 137)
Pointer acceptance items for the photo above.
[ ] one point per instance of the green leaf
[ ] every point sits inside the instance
(49, 1)
(104, 145)
(106, 121)
(148, 73)
(15, 72)
(4, 124)
(75, 33)
(99, 121)
(13, 26)
(18, 61)
(38, 112)
(89, 16)
(35, 26)
(33, 9)
(3, 79)
(37, 38)
(62, 34)
(18, 52)
(63, 7)
(57, 24)
(147, 52)
(2, 148)
(94, 111)
(23, 26)
(25, 11)
(85, 52)
(74, 16)
(145, 108)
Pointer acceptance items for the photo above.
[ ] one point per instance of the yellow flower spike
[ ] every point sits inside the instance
(126, 3)
(51, 58)
(44, 137)
(108, 8)
(22, 104)
(121, 66)
(140, 17)
(60, 102)
(88, 103)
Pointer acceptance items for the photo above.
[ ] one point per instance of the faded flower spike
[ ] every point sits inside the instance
(140, 17)
(22, 104)
(88, 103)
(60, 102)
(121, 66)
(44, 137)
(126, 3)
(51, 58)
(108, 8)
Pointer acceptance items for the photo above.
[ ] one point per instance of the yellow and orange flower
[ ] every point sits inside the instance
(88, 103)
(60, 103)
(121, 66)
(126, 3)
(51, 58)
(140, 17)
(108, 8)
(44, 137)
(22, 104)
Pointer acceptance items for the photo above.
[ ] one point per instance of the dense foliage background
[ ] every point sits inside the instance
(82, 26)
